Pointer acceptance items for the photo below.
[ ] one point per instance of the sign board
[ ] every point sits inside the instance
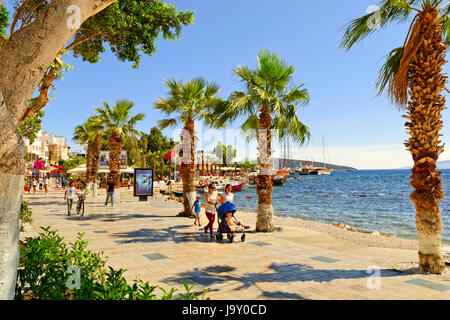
(104, 160)
(143, 182)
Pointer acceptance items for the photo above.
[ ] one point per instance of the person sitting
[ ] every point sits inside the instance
(234, 224)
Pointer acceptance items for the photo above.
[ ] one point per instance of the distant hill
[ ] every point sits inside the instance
(440, 164)
(280, 162)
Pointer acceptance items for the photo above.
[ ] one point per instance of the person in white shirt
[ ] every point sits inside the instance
(227, 196)
(69, 195)
(34, 185)
(40, 183)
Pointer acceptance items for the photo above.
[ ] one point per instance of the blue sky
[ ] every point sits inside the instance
(360, 129)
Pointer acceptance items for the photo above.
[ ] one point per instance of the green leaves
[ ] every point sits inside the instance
(117, 118)
(389, 11)
(189, 101)
(268, 86)
(32, 126)
(389, 69)
(130, 27)
(44, 272)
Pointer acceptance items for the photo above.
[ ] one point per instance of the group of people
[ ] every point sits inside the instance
(212, 200)
(43, 183)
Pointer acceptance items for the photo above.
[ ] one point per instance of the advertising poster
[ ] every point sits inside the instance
(104, 160)
(143, 182)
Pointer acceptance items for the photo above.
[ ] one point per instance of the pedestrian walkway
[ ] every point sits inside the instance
(154, 244)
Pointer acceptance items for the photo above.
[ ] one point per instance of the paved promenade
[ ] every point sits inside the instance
(153, 244)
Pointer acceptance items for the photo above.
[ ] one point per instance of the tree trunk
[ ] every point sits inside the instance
(95, 163)
(28, 53)
(24, 59)
(187, 167)
(161, 164)
(264, 220)
(144, 161)
(89, 157)
(426, 81)
(115, 151)
(154, 167)
(12, 167)
(203, 164)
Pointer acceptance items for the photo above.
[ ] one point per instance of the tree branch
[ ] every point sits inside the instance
(16, 17)
(31, 12)
(43, 98)
(76, 43)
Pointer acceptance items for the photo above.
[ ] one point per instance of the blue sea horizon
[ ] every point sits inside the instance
(369, 200)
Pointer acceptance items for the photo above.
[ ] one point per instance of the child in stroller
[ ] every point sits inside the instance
(228, 223)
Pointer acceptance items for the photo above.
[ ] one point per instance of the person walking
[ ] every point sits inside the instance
(40, 183)
(69, 195)
(210, 210)
(197, 206)
(34, 185)
(63, 182)
(110, 191)
(129, 183)
(227, 196)
(46, 182)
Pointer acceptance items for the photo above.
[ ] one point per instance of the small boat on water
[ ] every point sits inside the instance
(278, 180)
(320, 171)
(237, 187)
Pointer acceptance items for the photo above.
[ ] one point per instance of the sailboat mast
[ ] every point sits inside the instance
(323, 147)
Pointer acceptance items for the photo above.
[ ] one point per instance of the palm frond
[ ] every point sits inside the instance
(165, 123)
(389, 69)
(389, 11)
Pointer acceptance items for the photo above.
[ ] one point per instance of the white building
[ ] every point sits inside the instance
(47, 146)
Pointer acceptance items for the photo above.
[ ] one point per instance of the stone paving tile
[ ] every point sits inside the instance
(429, 284)
(155, 256)
(274, 266)
(324, 259)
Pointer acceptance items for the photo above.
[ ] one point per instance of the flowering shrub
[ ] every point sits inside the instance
(51, 270)
(25, 214)
(39, 165)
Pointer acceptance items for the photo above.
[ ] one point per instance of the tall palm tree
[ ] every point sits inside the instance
(271, 94)
(189, 101)
(87, 133)
(413, 77)
(119, 124)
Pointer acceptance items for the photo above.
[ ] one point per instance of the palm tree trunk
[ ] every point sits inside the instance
(95, 163)
(203, 164)
(162, 167)
(115, 151)
(187, 169)
(426, 82)
(154, 166)
(264, 220)
(144, 161)
(90, 145)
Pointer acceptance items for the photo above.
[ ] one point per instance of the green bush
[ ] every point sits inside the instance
(46, 272)
(25, 214)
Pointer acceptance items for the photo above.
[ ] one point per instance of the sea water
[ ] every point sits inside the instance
(369, 200)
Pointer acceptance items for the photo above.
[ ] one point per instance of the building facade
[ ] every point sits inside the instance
(48, 147)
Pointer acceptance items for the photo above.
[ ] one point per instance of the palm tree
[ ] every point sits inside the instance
(118, 123)
(189, 101)
(87, 133)
(272, 95)
(415, 70)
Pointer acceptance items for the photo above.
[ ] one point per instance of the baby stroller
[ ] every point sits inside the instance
(223, 226)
